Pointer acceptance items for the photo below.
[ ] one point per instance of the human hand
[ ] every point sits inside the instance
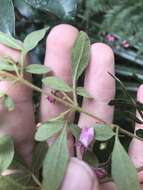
(97, 82)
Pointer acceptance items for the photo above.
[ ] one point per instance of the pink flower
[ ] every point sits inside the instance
(100, 173)
(86, 136)
(51, 99)
(110, 38)
(125, 44)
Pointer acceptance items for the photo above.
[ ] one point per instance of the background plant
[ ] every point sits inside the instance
(123, 20)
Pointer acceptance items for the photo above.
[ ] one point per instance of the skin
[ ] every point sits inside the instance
(97, 82)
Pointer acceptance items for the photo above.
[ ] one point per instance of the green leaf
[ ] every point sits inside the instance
(8, 183)
(133, 117)
(56, 84)
(7, 17)
(5, 65)
(39, 155)
(103, 132)
(6, 152)
(121, 102)
(19, 178)
(20, 174)
(48, 129)
(75, 130)
(123, 87)
(55, 163)
(80, 55)
(9, 103)
(91, 158)
(60, 8)
(32, 39)
(37, 69)
(126, 93)
(10, 41)
(123, 170)
(82, 92)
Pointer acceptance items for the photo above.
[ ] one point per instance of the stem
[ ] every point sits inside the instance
(91, 115)
(36, 181)
(22, 57)
(16, 70)
(61, 115)
(134, 103)
(74, 92)
(67, 97)
(121, 130)
(29, 84)
(71, 106)
(105, 180)
(43, 92)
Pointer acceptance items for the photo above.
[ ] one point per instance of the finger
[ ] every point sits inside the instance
(19, 92)
(79, 176)
(136, 146)
(18, 123)
(60, 42)
(100, 85)
(108, 186)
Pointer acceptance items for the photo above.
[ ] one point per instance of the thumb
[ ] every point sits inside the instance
(79, 176)
(136, 146)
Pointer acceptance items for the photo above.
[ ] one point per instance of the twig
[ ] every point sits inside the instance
(72, 106)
